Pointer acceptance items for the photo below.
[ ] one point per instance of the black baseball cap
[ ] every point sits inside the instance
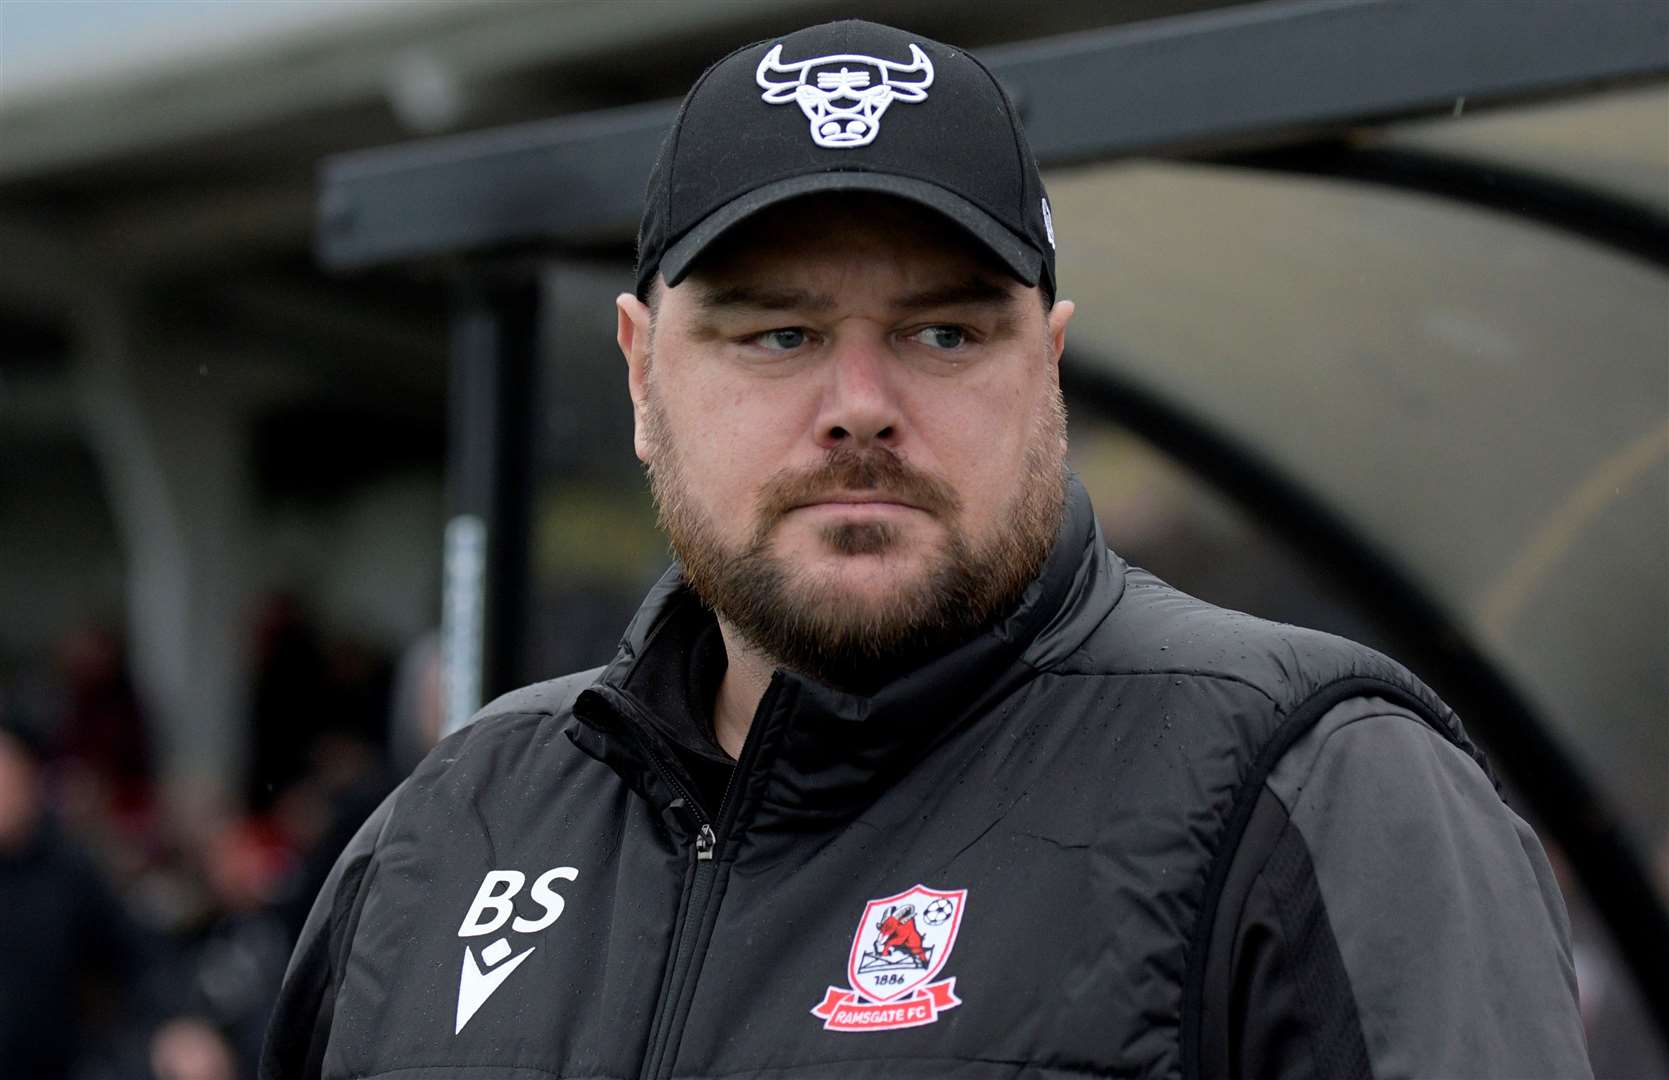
(846, 106)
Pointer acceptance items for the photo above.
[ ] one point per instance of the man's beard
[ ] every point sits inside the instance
(822, 630)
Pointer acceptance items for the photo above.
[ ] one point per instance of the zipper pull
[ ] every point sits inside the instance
(705, 842)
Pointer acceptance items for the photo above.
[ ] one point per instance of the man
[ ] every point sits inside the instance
(899, 771)
(69, 955)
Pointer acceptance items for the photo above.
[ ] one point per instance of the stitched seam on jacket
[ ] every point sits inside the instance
(1212, 675)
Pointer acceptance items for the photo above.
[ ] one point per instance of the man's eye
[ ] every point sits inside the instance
(941, 337)
(784, 340)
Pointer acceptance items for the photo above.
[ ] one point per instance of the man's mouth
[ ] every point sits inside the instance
(859, 499)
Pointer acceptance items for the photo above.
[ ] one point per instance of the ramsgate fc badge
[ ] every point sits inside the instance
(900, 948)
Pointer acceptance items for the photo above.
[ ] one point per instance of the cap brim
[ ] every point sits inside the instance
(1022, 260)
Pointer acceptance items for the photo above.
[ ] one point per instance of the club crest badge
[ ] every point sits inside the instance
(900, 948)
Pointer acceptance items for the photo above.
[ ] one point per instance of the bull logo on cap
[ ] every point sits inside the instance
(850, 92)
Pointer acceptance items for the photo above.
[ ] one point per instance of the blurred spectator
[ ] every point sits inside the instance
(68, 951)
(234, 958)
(321, 814)
(416, 715)
(189, 1048)
(1623, 1040)
(308, 690)
(100, 749)
(289, 704)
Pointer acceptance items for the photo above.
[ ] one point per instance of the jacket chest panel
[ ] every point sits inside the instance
(1048, 856)
(538, 942)
(1075, 849)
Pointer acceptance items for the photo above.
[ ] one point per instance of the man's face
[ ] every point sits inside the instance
(854, 434)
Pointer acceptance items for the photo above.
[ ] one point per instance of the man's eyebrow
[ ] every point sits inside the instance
(974, 290)
(762, 297)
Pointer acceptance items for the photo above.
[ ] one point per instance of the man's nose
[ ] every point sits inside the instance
(860, 405)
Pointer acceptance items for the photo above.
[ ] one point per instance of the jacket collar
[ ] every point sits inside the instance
(822, 749)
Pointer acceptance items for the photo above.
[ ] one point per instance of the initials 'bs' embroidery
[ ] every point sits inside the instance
(901, 945)
(488, 913)
(851, 91)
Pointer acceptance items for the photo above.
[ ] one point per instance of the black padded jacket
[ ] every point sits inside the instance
(1121, 833)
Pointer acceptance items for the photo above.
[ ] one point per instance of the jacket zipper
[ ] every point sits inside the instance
(705, 839)
(696, 896)
(667, 1031)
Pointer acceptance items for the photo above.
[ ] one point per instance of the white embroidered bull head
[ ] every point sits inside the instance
(850, 92)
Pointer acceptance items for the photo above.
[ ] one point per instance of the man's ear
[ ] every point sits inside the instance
(632, 334)
(1059, 316)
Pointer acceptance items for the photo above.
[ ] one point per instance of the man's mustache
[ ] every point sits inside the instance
(876, 471)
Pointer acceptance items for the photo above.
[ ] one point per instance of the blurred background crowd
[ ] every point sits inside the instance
(145, 933)
(225, 475)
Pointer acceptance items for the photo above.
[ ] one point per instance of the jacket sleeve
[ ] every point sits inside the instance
(1405, 923)
(299, 1028)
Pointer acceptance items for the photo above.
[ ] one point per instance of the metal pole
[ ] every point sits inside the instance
(484, 596)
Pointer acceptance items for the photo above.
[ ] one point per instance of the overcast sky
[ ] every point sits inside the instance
(48, 42)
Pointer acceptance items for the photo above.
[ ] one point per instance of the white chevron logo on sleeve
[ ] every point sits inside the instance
(476, 986)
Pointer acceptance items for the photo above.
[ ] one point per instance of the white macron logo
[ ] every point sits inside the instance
(487, 914)
(845, 105)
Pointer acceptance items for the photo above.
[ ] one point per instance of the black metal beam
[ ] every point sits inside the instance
(1261, 73)
(1268, 70)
